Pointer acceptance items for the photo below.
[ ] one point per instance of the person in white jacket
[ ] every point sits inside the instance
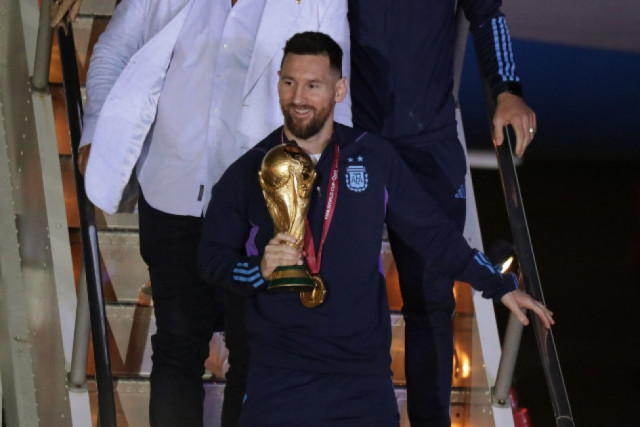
(177, 90)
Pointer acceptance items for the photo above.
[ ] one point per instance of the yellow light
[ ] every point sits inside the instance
(507, 264)
(463, 370)
(466, 369)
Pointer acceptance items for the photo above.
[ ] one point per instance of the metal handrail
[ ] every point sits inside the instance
(531, 281)
(90, 250)
(42, 61)
(77, 375)
(524, 251)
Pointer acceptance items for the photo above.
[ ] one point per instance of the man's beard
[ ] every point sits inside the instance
(304, 131)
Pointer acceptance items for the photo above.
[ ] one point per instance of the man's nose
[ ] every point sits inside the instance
(299, 94)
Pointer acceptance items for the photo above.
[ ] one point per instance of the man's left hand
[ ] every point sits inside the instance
(512, 110)
(517, 299)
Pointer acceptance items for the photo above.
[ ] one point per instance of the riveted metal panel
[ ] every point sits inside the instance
(27, 122)
(16, 368)
(97, 7)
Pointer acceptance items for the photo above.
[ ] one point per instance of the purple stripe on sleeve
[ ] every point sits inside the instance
(386, 200)
(250, 245)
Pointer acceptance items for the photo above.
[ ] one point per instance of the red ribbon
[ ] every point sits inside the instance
(313, 260)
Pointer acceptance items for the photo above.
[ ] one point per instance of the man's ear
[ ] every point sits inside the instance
(341, 89)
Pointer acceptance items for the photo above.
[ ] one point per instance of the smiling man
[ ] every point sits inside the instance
(329, 365)
(309, 88)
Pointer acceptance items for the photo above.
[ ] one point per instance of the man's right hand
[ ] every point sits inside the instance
(279, 251)
(59, 8)
(83, 158)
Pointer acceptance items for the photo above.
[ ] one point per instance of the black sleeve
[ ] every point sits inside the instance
(223, 259)
(492, 42)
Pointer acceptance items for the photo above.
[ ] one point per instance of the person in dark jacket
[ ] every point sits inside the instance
(329, 365)
(401, 87)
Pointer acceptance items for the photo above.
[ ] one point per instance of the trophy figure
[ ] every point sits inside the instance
(287, 177)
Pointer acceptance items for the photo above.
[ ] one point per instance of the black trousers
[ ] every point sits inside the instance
(187, 312)
(428, 297)
(237, 342)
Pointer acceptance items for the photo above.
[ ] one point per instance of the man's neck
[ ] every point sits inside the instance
(317, 143)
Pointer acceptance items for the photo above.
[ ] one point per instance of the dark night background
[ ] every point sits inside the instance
(580, 182)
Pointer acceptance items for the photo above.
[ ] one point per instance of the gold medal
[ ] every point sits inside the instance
(315, 297)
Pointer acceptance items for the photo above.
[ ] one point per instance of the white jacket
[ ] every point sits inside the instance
(129, 64)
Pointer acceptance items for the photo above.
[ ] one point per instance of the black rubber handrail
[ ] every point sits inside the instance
(90, 250)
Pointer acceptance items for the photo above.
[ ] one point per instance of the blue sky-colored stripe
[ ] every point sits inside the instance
(480, 259)
(496, 42)
(245, 271)
(247, 278)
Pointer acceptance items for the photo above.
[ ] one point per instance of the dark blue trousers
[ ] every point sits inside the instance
(186, 310)
(287, 398)
(428, 297)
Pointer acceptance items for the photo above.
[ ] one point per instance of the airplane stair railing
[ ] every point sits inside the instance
(90, 250)
(528, 269)
(530, 279)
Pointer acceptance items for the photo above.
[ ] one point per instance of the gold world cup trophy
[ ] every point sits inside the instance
(287, 176)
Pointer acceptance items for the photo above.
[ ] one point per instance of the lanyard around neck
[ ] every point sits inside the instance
(314, 260)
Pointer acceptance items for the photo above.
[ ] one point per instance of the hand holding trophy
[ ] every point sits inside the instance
(287, 177)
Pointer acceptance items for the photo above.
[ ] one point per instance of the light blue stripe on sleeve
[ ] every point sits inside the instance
(504, 50)
(244, 271)
(480, 259)
(496, 42)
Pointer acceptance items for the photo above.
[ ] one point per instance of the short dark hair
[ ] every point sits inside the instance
(315, 43)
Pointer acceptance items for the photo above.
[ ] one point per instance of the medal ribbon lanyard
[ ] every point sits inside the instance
(314, 260)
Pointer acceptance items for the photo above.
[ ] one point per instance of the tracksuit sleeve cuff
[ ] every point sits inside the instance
(487, 278)
(246, 275)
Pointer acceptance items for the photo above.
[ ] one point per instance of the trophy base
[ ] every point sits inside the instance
(291, 278)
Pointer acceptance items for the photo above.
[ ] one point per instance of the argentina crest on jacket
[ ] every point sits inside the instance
(356, 177)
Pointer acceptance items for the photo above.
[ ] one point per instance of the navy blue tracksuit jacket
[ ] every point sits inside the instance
(402, 64)
(350, 332)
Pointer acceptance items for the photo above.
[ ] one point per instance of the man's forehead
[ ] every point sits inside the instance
(294, 59)
(308, 64)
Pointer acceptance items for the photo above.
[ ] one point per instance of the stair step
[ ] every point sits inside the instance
(124, 271)
(97, 7)
(130, 330)
(131, 327)
(132, 402)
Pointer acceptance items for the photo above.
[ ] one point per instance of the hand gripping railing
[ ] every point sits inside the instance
(528, 269)
(71, 82)
(529, 277)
